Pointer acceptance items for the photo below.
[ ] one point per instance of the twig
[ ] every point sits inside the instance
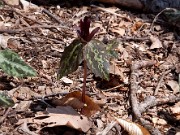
(166, 9)
(31, 27)
(110, 89)
(151, 101)
(51, 15)
(133, 89)
(5, 115)
(107, 129)
(25, 128)
(108, 11)
(137, 39)
(18, 12)
(160, 81)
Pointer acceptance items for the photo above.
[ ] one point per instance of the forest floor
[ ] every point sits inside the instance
(147, 71)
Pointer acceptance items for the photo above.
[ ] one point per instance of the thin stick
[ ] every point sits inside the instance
(51, 15)
(110, 89)
(166, 9)
(5, 115)
(160, 81)
(84, 82)
(108, 128)
(9, 31)
(18, 12)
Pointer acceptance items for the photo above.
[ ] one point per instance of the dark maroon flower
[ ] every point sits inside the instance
(83, 30)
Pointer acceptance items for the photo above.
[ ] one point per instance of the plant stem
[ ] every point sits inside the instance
(84, 82)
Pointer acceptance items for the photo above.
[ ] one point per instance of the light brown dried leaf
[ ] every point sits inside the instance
(174, 86)
(176, 110)
(89, 109)
(132, 128)
(156, 43)
(60, 116)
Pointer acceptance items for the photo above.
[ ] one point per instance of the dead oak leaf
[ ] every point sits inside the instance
(60, 116)
(74, 99)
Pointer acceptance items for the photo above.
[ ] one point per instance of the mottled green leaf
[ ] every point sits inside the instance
(5, 101)
(13, 65)
(71, 58)
(97, 58)
(110, 48)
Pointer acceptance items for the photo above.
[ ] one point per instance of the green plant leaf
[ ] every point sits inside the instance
(71, 58)
(110, 48)
(13, 65)
(97, 58)
(5, 101)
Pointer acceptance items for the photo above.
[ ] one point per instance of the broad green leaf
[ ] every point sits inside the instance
(110, 48)
(71, 58)
(97, 58)
(13, 65)
(5, 101)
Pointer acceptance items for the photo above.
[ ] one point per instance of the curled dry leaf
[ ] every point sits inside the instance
(156, 43)
(137, 26)
(132, 128)
(174, 86)
(114, 69)
(74, 99)
(66, 80)
(60, 116)
(4, 40)
(70, 101)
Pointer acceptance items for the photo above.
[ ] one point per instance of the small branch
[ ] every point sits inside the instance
(160, 81)
(51, 15)
(152, 101)
(18, 12)
(166, 9)
(108, 128)
(133, 89)
(136, 39)
(5, 115)
(110, 89)
(22, 30)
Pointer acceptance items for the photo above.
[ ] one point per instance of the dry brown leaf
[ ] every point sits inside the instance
(28, 5)
(4, 40)
(120, 31)
(156, 43)
(12, 2)
(23, 106)
(158, 121)
(66, 80)
(114, 69)
(132, 128)
(176, 110)
(70, 101)
(60, 116)
(89, 109)
(174, 86)
(136, 26)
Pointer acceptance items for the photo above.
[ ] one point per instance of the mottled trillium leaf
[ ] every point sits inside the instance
(13, 65)
(71, 58)
(97, 59)
(110, 48)
(5, 101)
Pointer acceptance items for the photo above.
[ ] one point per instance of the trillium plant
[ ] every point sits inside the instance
(94, 54)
